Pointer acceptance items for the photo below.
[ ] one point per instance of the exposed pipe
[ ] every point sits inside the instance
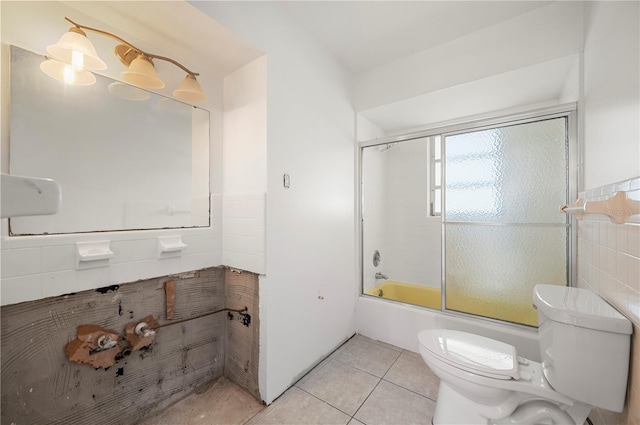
(175, 322)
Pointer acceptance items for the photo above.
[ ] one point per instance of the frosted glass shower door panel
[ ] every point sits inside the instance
(491, 270)
(503, 230)
(512, 174)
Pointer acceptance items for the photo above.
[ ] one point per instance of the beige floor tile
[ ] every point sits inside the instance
(313, 371)
(366, 355)
(412, 373)
(383, 344)
(296, 407)
(355, 422)
(603, 417)
(341, 385)
(390, 404)
(223, 404)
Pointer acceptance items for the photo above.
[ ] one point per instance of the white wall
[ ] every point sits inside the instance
(245, 167)
(308, 295)
(611, 93)
(245, 129)
(610, 132)
(367, 130)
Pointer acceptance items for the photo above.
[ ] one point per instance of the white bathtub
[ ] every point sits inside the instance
(398, 324)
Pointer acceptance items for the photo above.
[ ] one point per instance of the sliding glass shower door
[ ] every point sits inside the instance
(503, 232)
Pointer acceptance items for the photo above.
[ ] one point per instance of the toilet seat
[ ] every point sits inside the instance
(530, 378)
(472, 353)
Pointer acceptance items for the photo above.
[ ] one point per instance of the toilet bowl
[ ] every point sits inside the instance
(584, 346)
(483, 381)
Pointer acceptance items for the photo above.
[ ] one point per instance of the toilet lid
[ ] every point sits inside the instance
(473, 353)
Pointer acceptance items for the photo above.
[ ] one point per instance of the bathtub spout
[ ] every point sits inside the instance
(381, 276)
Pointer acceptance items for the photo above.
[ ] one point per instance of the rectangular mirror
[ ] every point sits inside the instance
(126, 159)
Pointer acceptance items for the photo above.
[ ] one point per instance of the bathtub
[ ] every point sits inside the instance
(425, 296)
(399, 324)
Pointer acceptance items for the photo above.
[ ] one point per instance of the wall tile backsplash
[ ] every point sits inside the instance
(34, 267)
(608, 258)
(243, 231)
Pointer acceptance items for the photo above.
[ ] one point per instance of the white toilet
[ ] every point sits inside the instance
(584, 347)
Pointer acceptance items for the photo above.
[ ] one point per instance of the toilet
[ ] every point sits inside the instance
(584, 347)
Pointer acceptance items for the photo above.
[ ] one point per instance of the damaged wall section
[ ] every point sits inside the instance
(41, 386)
(242, 351)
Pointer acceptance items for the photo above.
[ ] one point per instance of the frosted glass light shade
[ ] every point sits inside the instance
(65, 73)
(142, 73)
(189, 90)
(76, 40)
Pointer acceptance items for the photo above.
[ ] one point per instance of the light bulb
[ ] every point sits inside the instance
(69, 74)
(77, 60)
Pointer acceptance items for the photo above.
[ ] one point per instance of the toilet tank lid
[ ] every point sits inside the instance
(579, 307)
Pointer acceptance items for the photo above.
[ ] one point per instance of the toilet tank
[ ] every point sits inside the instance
(584, 345)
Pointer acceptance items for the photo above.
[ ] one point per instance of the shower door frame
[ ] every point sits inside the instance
(574, 176)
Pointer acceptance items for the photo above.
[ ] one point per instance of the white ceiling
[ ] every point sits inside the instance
(361, 34)
(537, 85)
(367, 34)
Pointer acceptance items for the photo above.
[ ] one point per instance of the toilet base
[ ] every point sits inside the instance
(453, 408)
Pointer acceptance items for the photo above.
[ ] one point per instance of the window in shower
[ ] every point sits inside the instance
(503, 232)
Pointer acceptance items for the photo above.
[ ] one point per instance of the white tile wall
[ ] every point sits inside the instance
(412, 238)
(609, 263)
(243, 236)
(609, 253)
(34, 267)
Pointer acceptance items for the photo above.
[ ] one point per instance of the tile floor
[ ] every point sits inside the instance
(363, 382)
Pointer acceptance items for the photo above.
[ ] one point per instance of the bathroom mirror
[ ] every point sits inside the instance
(125, 158)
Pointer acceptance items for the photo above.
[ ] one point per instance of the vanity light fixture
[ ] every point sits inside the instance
(73, 58)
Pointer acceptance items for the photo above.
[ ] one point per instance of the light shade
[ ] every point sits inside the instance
(76, 40)
(142, 73)
(66, 73)
(189, 90)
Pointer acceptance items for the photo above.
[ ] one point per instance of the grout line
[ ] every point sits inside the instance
(409, 389)
(329, 358)
(399, 385)
(357, 368)
(325, 402)
(392, 364)
(335, 407)
(365, 400)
